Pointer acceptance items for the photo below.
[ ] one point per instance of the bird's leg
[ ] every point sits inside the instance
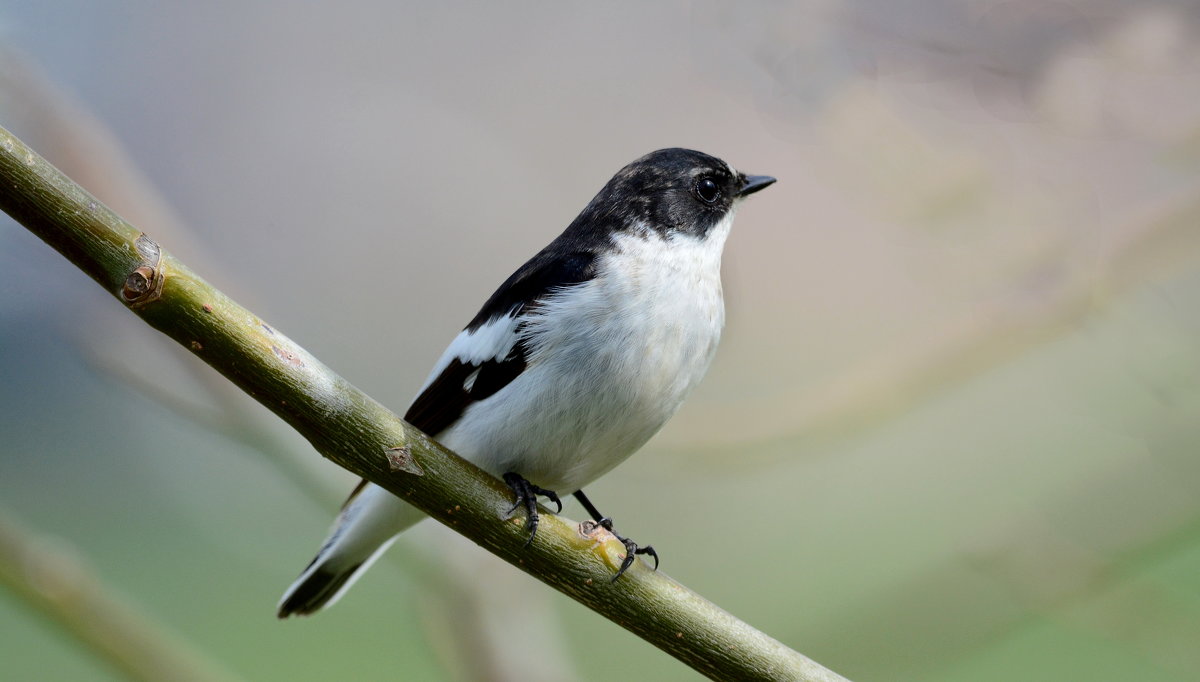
(631, 547)
(527, 494)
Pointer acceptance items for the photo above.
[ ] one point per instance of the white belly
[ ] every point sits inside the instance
(623, 352)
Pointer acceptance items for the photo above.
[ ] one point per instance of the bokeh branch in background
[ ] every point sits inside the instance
(59, 586)
(361, 435)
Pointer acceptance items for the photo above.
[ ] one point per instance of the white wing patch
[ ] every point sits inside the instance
(492, 341)
(469, 382)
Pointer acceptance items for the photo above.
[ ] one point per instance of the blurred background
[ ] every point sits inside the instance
(951, 433)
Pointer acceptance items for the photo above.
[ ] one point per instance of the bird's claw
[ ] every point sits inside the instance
(631, 549)
(527, 494)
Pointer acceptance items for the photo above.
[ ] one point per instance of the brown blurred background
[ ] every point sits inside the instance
(952, 430)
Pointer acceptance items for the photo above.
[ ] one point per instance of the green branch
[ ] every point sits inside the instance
(50, 579)
(359, 434)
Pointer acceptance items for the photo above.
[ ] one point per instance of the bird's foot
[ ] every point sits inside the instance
(527, 494)
(631, 549)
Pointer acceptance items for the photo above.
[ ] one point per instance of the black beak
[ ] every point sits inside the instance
(755, 183)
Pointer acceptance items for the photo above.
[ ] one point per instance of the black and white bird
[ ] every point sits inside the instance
(574, 362)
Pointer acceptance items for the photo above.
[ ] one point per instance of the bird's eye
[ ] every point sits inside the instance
(707, 190)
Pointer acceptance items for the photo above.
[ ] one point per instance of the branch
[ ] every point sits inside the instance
(358, 434)
(59, 586)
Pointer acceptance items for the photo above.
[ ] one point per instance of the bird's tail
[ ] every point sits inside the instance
(368, 523)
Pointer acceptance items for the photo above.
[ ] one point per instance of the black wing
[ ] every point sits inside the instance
(489, 353)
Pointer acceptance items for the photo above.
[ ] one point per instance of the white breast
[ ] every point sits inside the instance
(610, 361)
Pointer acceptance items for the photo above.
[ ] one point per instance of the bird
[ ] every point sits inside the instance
(574, 362)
